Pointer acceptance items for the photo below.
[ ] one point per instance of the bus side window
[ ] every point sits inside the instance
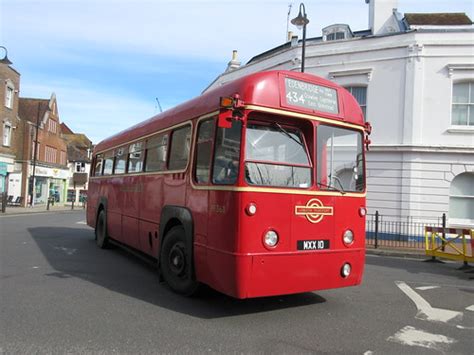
(108, 163)
(204, 141)
(227, 154)
(120, 160)
(156, 150)
(179, 150)
(135, 157)
(98, 165)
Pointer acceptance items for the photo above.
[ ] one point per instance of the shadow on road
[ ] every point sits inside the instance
(72, 253)
(422, 267)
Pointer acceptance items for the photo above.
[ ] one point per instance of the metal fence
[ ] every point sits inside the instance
(389, 232)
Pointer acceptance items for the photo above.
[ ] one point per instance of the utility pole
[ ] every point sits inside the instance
(288, 22)
(158, 104)
(35, 152)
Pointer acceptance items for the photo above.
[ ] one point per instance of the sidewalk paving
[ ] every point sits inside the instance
(14, 210)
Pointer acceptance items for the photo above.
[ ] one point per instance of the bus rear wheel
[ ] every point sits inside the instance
(101, 238)
(176, 263)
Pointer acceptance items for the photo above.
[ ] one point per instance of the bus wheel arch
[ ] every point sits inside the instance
(175, 257)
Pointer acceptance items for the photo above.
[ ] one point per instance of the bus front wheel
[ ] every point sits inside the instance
(175, 263)
(101, 238)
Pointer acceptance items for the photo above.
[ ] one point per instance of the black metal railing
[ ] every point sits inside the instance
(385, 231)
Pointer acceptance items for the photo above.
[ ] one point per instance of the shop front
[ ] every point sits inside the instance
(49, 183)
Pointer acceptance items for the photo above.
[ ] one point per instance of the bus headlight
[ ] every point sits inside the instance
(346, 270)
(348, 237)
(270, 239)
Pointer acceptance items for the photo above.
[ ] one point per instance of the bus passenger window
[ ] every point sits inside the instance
(156, 150)
(135, 157)
(227, 154)
(179, 150)
(205, 137)
(120, 160)
(98, 165)
(108, 163)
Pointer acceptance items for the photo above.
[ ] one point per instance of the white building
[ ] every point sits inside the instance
(413, 75)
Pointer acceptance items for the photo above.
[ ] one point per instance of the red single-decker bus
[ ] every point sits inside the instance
(256, 188)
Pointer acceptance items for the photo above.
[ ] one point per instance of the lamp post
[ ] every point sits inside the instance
(5, 59)
(300, 22)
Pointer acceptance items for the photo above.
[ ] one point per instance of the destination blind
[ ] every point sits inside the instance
(311, 96)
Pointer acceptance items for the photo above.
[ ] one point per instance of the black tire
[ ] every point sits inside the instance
(176, 264)
(101, 237)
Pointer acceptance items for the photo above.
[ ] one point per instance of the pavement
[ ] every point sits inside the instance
(14, 210)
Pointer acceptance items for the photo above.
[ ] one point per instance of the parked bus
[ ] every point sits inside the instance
(256, 188)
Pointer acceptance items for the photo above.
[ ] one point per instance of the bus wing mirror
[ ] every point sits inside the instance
(224, 119)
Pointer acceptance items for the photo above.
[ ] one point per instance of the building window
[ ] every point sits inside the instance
(52, 126)
(9, 94)
(7, 134)
(63, 157)
(360, 94)
(463, 104)
(336, 32)
(461, 199)
(50, 155)
(80, 167)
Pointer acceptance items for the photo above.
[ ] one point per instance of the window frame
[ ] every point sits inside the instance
(170, 147)
(363, 107)
(9, 99)
(470, 104)
(8, 141)
(211, 153)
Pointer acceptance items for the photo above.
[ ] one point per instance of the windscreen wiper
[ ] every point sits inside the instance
(332, 187)
(284, 131)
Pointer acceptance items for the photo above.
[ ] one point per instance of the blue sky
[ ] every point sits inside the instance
(107, 60)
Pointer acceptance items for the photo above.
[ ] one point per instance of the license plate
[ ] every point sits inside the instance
(320, 244)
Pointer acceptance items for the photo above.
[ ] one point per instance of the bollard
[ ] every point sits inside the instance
(4, 202)
(443, 244)
(376, 229)
(72, 204)
(47, 203)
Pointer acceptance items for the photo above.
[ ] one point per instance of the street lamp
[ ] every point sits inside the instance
(5, 59)
(300, 22)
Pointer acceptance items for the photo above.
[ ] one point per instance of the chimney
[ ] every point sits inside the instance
(294, 41)
(380, 12)
(290, 35)
(234, 63)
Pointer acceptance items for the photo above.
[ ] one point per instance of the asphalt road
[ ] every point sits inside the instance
(60, 294)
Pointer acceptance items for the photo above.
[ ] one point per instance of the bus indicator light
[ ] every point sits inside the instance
(251, 209)
(227, 102)
(346, 270)
(362, 211)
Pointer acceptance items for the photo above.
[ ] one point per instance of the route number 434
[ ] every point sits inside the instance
(294, 98)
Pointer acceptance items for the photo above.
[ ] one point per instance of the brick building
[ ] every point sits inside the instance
(49, 169)
(79, 151)
(10, 123)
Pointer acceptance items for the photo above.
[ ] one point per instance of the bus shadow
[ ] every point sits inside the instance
(72, 253)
